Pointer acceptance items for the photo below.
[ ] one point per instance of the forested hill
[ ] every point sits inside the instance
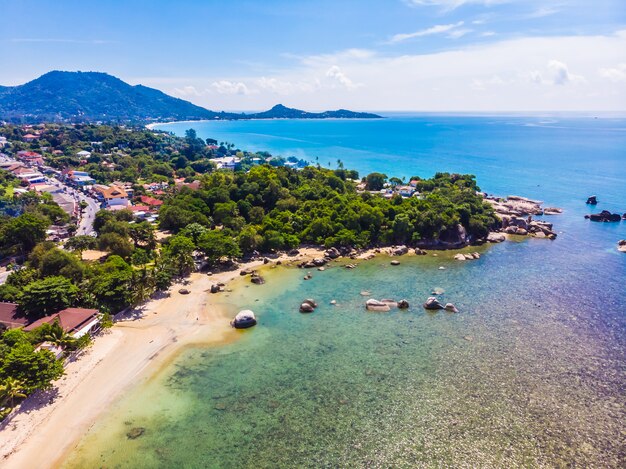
(93, 96)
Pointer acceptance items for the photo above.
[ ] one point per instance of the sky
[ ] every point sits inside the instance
(386, 55)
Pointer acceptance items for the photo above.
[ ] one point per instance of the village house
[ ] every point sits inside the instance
(30, 137)
(226, 162)
(3, 142)
(79, 178)
(405, 191)
(83, 155)
(30, 157)
(151, 202)
(112, 196)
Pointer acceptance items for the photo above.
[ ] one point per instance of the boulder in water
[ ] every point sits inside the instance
(311, 302)
(215, 288)
(257, 279)
(592, 200)
(604, 216)
(621, 245)
(244, 319)
(432, 303)
(375, 305)
(450, 307)
(395, 262)
(306, 308)
(400, 251)
(403, 304)
(493, 237)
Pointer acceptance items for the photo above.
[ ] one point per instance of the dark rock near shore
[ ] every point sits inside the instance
(257, 279)
(403, 304)
(215, 288)
(621, 245)
(592, 200)
(332, 253)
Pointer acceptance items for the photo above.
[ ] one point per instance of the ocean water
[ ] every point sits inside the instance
(530, 373)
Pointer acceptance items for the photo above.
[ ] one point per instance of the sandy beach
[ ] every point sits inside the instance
(48, 425)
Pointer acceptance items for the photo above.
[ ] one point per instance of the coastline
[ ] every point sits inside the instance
(48, 426)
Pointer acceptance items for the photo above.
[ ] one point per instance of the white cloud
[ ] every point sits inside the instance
(438, 29)
(570, 73)
(556, 73)
(615, 74)
(230, 87)
(488, 34)
(541, 12)
(457, 33)
(337, 75)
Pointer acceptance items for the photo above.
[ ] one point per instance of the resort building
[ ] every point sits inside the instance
(30, 137)
(79, 178)
(75, 321)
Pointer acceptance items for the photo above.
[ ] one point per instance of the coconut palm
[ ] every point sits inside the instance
(57, 336)
(11, 389)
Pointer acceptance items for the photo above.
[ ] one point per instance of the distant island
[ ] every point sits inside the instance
(73, 97)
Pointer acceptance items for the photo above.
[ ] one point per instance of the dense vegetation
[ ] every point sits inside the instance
(277, 208)
(91, 96)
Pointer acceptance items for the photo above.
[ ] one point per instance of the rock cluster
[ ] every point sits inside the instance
(517, 214)
(467, 257)
(604, 216)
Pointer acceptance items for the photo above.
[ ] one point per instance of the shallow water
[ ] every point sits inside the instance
(530, 373)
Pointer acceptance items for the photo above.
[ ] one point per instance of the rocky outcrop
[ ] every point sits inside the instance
(332, 253)
(621, 245)
(604, 216)
(377, 306)
(552, 211)
(592, 200)
(432, 303)
(244, 319)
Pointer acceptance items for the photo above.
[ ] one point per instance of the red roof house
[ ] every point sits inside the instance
(74, 321)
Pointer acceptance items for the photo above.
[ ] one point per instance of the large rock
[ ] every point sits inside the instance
(621, 245)
(403, 304)
(257, 279)
(318, 262)
(421, 252)
(306, 308)
(375, 305)
(244, 319)
(215, 288)
(400, 250)
(459, 257)
(592, 200)
(495, 237)
(311, 302)
(332, 253)
(450, 307)
(432, 303)
(395, 262)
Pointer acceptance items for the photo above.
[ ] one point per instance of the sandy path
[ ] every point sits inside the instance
(48, 426)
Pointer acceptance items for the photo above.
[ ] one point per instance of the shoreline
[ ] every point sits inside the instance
(129, 354)
(139, 344)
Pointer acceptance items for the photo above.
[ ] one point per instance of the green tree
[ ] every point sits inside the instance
(375, 181)
(35, 370)
(47, 296)
(11, 389)
(216, 244)
(115, 244)
(24, 232)
(179, 251)
(81, 243)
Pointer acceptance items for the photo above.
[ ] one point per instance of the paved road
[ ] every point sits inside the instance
(85, 227)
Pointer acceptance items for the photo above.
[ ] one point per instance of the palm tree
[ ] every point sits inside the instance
(11, 389)
(57, 336)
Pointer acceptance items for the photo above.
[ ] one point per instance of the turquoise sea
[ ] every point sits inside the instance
(530, 373)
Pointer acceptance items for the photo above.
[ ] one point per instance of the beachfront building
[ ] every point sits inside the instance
(74, 321)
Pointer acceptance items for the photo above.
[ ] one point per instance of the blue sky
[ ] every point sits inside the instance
(438, 55)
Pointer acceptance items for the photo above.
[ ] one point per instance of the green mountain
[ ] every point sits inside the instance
(93, 96)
